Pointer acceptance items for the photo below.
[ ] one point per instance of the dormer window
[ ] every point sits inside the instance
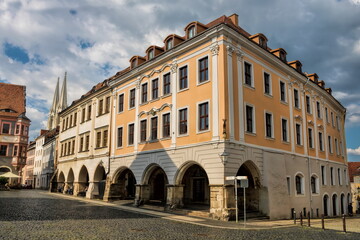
(169, 44)
(282, 56)
(191, 32)
(133, 63)
(296, 64)
(151, 54)
(262, 42)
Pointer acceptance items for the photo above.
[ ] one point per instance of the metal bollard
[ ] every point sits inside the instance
(301, 219)
(322, 222)
(294, 217)
(344, 223)
(308, 216)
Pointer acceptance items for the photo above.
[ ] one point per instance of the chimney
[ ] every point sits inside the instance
(235, 19)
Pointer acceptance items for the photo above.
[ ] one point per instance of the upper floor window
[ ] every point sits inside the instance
(17, 129)
(332, 176)
(332, 119)
(83, 115)
(151, 54)
(311, 141)
(336, 146)
(75, 118)
(143, 124)
(6, 128)
(321, 144)
(248, 75)
(183, 121)
(183, 78)
(326, 115)
(191, 32)
(155, 88)
(15, 150)
(166, 125)
(284, 126)
(296, 98)
(133, 64)
(121, 103)
(268, 125)
(131, 134)
(330, 144)
(318, 109)
(323, 175)
(89, 113)
(144, 93)
(119, 137)
(308, 104)
(282, 92)
(267, 83)
(203, 116)
(298, 133)
(107, 104)
(154, 128)
(299, 184)
(169, 44)
(314, 183)
(101, 104)
(337, 123)
(167, 84)
(98, 139)
(105, 138)
(262, 42)
(250, 119)
(3, 150)
(132, 98)
(203, 70)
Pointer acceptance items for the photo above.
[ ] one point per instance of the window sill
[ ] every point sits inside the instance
(285, 103)
(299, 145)
(285, 142)
(154, 100)
(131, 108)
(251, 133)
(297, 108)
(268, 95)
(144, 103)
(165, 138)
(202, 131)
(166, 95)
(202, 83)
(183, 135)
(183, 90)
(98, 148)
(249, 87)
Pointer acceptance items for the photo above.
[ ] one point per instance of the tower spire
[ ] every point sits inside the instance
(63, 95)
(50, 123)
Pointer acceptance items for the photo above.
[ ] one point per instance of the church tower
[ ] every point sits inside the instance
(58, 104)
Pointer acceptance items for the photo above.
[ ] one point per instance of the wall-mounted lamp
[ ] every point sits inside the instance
(224, 157)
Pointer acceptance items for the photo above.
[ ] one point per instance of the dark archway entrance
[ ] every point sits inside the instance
(83, 181)
(326, 205)
(99, 182)
(70, 182)
(334, 204)
(342, 204)
(61, 182)
(196, 186)
(124, 186)
(252, 192)
(157, 184)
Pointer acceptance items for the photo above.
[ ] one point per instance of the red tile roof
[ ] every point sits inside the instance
(354, 170)
(12, 97)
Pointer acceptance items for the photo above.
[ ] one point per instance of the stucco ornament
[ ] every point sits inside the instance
(214, 49)
(174, 66)
(138, 82)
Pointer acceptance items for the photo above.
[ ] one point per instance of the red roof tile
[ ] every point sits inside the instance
(12, 97)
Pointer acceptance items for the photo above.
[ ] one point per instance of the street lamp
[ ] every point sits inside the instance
(224, 157)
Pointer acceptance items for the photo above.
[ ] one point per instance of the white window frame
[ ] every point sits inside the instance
(286, 98)
(302, 184)
(162, 84)
(129, 108)
(298, 95)
(310, 107)
(317, 184)
(157, 129)
(117, 137)
(141, 93)
(252, 75)
(318, 111)
(187, 121)
(312, 138)
(178, 78)
(198, 70)
(162, 123)
(301, 135)
(330, 144)
(272, 124)
(287, 130)
(253, 118)
(147, 131)
(159, 88)
(332, 175)
(321, 146)
(118, 105)
(327, 115)
(270, 94)
(198, 131)
(127, 135)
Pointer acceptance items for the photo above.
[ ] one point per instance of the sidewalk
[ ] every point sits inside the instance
(352, 223)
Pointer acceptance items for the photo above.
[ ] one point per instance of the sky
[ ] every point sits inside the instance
(91, 40)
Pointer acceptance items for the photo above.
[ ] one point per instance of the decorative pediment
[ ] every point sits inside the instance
(153, 111)
(321, 127)
(298, 118)
(310, 122)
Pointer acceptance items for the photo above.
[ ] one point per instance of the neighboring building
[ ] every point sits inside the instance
(28, 170)
(216, 102)
(14, 130)
(354, 173)
(39, 142)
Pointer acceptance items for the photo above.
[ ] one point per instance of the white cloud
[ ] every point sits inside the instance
(353, 151)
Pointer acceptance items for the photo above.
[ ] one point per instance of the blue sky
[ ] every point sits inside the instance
(92, 40)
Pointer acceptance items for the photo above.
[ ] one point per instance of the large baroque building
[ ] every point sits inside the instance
(213, 103)
(14, 130)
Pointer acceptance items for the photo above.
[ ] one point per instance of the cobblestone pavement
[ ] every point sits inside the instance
(30, 214)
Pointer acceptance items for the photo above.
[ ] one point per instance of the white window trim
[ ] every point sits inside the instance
(198, 69)
(327, 114)
(317, 184)
(287, 130)
(118, 103)
(198, 131)
(332, 176)
(141, 93)
(340, 177)
(129, 98)
(162, 123)
(332, 119)
(272, 124)
(253, 118)
(310, 107)
(336, 142)
(252, 75)
(298, 93)
(178, 121)
(319, 116)
(151, 89)
(162, 84)
(178, 78)
(157, 129)
(117, 137)
(330, 144)
(127, 134)
(147, 131)
(312, 138)
(302, 194)
(285, 92)
(270, 94)
(301, 135)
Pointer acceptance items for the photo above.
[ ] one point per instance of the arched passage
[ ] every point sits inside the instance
(196, 185)
(70, 181)
(252, 192)
(157, 180)
(326, 205)
(61, 182)
(99, 182)
(83, 183)
(124, 185)
(334, 205)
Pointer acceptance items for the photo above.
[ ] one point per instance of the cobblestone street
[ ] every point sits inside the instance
(31, 214)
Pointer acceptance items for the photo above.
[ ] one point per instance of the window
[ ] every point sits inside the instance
(89, 113)
(6, 128)
(250, 119)
(337, 123)
(296, 98)
(191, 32)
(132, 98)
(144, 93)
(203, 116)
(105, 138)
(332, 119)
(326, 115)
(101, 104)
(183, 121)
(154, 128)
(83, 115)
(155, 88)
(339, 177)
(299, 184)
(282, 92)
(121, 103)
(298, 133)
(308, 104)
(336, 146)
(98, 139)
(166, 125)
(143, 130)
(75, 118)
(321, 146)
(330, 144)
(267, 84)
(268, 125)
(314, 188)
(203, 70)
(131, 134)
(87, 143)
(167, 84)
(151, 54)
(119, 137)
(3, 150)
(71, 120)
(107, 105)
(318, 110)
(341, 148)
(323, 175)
(284, 130)
(183, 78)
(81, 147)
(15, 150)
(332, 176)
(248, 77)
(17, 129)
(73, 147)
(311, 141)
(133, 63)
(169, 44)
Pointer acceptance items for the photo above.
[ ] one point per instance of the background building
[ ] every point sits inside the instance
(28, 170)
(354, 172)
(14, 130)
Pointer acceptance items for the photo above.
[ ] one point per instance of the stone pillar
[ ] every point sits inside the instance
(76, 188)
(66, 187)
(91, 190)
(174, 198)
(114, 190)
(142, 194)
(222, 203)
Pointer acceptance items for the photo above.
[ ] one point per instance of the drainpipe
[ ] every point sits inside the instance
(110, 126)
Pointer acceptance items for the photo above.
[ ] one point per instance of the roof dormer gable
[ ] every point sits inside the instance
(296, 65)
(136, 61)
(260, 39)
(153, 51)
(193, 29)
(313, 77)
(172, 40)
(280, 53)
